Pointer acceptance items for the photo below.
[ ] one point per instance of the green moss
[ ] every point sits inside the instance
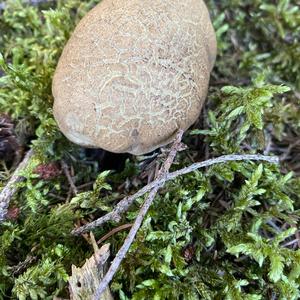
(228, 232)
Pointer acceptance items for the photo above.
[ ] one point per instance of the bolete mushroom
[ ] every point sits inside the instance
(133, 73)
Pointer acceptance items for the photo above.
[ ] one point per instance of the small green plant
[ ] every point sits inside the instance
(225, 232)
(35, 282)
(241, 113)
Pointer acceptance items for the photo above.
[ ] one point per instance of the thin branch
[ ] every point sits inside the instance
(125, 203)
(297, 234)
(28, 2)
(69, 177)
(177, 146)
(10, 189)
(223, 159)
(20, 267)
(112, 232)
(274, 226)
(290, 243)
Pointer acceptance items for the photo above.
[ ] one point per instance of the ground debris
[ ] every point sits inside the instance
(85, 280)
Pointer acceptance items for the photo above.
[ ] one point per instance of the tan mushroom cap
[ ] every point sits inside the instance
(133, 73)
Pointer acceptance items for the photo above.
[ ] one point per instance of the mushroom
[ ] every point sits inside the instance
(133, 73)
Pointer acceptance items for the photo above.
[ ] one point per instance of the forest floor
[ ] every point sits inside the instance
(227, 231)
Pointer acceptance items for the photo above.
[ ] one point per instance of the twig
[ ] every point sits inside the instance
(82, 186)
(20, 267)
(298, 239)
(274, 226)
(297, 234)
(286, 155)
(269, 143)
(69, 177)
(222, 159)
(10, 189)
(56, 196)
(28, 2)
(290, 243)
(112, 232)
(125, 203)
(139, 219)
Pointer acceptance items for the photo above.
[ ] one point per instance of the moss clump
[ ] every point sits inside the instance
(227, 232)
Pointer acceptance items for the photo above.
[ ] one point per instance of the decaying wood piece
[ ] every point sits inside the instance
(10, 189)
(85, 280)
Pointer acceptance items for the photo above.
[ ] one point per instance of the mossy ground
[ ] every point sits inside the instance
(228, 232)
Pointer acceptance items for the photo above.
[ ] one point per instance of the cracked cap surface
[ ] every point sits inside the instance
(133, 73)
